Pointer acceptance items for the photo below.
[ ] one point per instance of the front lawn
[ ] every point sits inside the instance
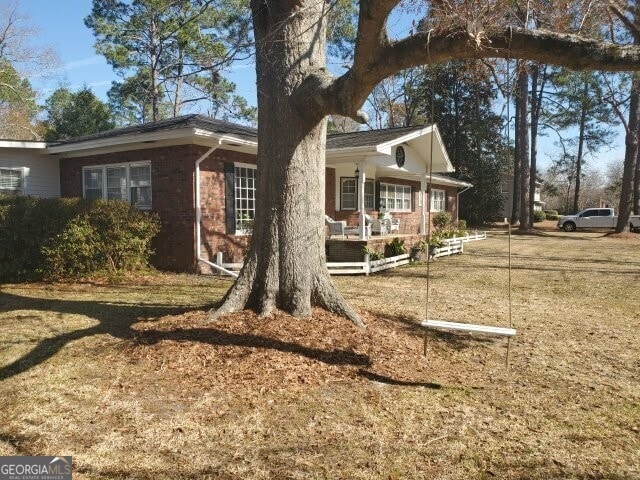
(133, 382)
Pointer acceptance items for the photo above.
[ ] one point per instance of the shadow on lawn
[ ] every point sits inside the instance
(117, 320)
(114, 319)
(456, 341)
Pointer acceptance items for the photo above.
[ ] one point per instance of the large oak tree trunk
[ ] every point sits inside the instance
(285, 267)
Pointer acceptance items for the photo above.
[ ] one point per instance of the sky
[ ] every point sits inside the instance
(61, 26)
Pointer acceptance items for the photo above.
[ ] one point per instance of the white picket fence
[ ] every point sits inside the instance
(451, 246)
(455, 245)
(368, 266)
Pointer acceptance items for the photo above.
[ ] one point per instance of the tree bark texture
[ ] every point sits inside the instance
(581, 140)
(515, 200)
(536, 103)
(630, 156)
(285, 266)
(522, 133)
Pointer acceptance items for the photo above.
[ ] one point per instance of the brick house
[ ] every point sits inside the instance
(198, 175)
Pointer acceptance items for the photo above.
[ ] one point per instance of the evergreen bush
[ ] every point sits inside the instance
(539, 216)
(442, 220)
(70, 238)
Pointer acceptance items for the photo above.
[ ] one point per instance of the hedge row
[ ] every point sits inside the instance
(70, 238)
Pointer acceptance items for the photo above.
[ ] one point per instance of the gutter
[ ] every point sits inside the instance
(199, 214)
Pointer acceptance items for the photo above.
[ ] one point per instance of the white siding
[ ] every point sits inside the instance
(41, 172)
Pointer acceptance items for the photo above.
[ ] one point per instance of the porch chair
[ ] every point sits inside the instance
(378, 227)
(393, 224)
(339, 227)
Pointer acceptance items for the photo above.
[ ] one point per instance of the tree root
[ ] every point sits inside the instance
(251, 293)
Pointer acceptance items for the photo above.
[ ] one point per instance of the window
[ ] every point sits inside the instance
(140, 185)
(395, 198)
(349, 194)
(245, 196)
(117, 183)
(11, 181)
(590, 213)
(438, 202)
(130, 182)
(369, 195)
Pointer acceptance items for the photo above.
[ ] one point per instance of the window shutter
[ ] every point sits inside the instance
(377, 195)
(230, 197)
(413, 199)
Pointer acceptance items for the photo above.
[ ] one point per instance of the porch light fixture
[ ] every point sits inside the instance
(357, 172)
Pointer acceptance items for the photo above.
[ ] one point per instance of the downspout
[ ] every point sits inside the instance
(198, 213)
(458, 202)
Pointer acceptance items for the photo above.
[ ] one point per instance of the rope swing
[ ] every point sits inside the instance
(429, 323)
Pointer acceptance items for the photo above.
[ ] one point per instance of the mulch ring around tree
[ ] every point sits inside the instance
(281, 351)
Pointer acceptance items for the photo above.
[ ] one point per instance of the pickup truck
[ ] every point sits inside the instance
(595, 218)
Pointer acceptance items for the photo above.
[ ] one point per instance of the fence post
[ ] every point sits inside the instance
(367, 264)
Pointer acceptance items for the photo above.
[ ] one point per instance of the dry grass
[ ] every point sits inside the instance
(133, 382)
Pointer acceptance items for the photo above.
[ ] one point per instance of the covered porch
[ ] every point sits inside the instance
(390, 177)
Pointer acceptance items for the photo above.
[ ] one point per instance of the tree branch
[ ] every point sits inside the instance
(346, 94)
(629, 25)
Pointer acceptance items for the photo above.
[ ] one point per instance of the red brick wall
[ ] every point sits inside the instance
(172, 174)
(213, 209)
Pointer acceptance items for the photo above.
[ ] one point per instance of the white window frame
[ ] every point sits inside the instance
(344, 194)
(405, 192)
(21, 189)
(239, 198)
(438, 200)
(127, 166)
(369, 197)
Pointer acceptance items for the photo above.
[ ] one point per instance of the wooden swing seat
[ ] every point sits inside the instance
(469, 327)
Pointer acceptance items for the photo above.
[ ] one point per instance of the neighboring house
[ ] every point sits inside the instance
(198, 175)
(26, 169)
(507, 196)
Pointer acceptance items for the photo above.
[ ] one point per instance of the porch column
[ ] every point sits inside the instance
(423, 208)
(361, 180)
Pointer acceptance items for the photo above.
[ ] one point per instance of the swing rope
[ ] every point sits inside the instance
(509, 179)
(428, 220)
(509, 332)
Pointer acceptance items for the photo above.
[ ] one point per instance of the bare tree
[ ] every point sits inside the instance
(19, 59)
(285, 265)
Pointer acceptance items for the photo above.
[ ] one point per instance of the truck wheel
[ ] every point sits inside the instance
(569, 227)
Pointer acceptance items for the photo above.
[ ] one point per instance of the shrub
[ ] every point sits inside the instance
(462, 225)
(25, 224)
(441, 220)
(550, 212)
(539, 216)
(373, 255)
(57, 238)
(552, 217)
(394, 248)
